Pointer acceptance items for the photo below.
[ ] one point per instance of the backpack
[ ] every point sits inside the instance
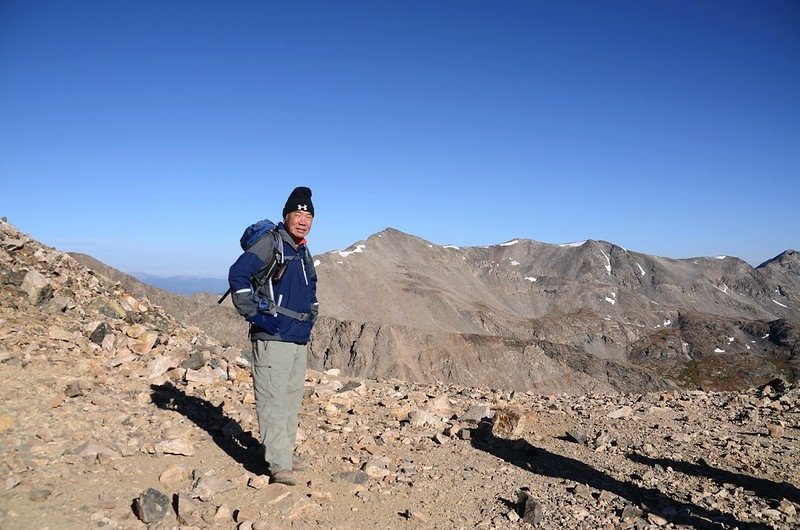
(252, 234)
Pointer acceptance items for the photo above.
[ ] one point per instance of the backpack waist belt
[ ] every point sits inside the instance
(302, 317)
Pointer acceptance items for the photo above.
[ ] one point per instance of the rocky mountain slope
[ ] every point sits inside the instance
(700, 322)
(531, 316)
(115, 415)
(503, 287)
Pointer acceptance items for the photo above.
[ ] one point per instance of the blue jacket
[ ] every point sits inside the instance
(296, 290)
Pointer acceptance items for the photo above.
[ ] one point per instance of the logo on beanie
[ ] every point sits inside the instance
(299, 201)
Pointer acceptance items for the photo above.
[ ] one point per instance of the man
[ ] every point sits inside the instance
(281, 314)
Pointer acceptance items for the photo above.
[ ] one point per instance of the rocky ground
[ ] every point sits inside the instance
(113, 415)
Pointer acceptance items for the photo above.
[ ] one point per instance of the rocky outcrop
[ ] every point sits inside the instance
(469, 359)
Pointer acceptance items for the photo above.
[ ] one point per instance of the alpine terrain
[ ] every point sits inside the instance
(123, 408)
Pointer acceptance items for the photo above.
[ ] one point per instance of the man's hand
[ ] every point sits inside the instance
(268, 323)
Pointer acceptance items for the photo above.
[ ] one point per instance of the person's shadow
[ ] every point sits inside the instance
(766, 489)
(226, 432)
(542, 462)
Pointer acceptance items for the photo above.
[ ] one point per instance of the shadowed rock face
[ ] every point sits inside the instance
(532, 316)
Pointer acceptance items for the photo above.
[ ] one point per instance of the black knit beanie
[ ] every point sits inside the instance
(299, 200)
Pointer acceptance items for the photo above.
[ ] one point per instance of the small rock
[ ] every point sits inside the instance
(6, 423)
(159, 365)
(135, 331)
(175, 447)
(120, 360)
(275, 493)
(631, 512)
(511, 424)
(451, 431)
(420, 418)
(11, 244)
(623, 412)
(376, 467)
(151, 506)
(414, 516)
(578, 437)
(530, 508)
(440, 438)
(603, 439)
(208, 486)
(61, 303)
(93, 449)
(145, 343)
(174, 475)
(440, 406)
(195, 361)
(223, 513)
(37, 287)
(787, 507)
(352, 386)
(73, 389)
(39, 495)
(99, 334)
(353, 477)
(300, 508)
(60, 334)
(775, 430)
(248, 513)
(185, 509)
(476, 413)
(582, 490)
(258, 482)
(199, 377)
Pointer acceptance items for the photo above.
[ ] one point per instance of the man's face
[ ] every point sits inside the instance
(298, 224)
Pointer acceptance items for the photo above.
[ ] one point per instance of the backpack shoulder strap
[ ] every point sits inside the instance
(276, 257)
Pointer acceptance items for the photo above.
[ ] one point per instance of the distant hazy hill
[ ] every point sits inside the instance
(185, 285)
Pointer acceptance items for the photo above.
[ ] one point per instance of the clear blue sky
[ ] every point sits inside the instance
(150, 133)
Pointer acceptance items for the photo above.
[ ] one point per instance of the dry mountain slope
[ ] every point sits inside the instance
(408, 281)
(525, 315)
(378, 349)
(696, 317)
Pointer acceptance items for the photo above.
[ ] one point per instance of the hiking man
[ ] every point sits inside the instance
(281, 314)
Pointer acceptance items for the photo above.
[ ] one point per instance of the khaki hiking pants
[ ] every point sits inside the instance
(279, 371)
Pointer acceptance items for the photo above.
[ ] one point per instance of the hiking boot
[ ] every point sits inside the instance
(284, 476)
(299, 464)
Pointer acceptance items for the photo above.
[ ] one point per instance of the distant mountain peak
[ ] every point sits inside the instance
(787, 258)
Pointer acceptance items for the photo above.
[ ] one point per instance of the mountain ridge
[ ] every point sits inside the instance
(562, 293)
(395, 303)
